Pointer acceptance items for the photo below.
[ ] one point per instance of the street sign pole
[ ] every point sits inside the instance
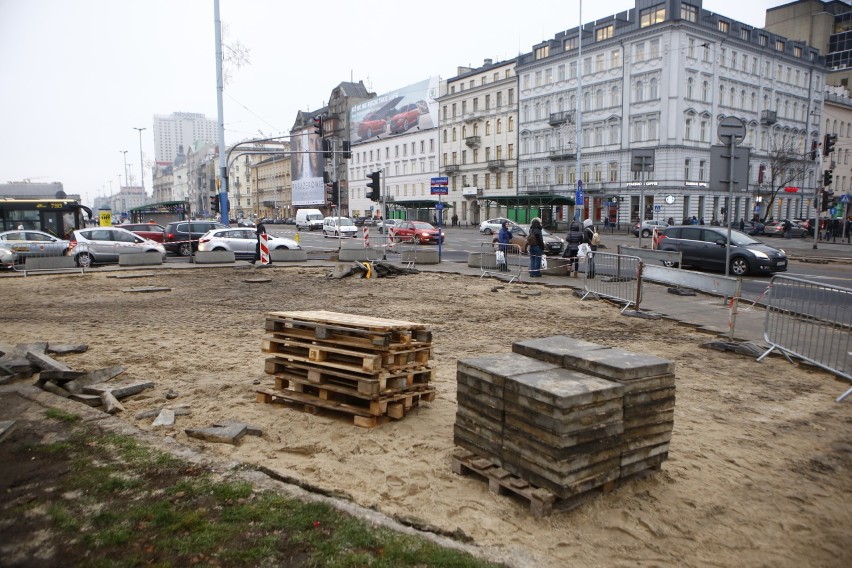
(732, 131)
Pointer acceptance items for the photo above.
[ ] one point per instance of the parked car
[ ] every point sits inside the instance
(705, 247)
(552, 244)
(406, 117)
(26, 243)
(753, 228)
(102, 245)
(242, 242)
(372, 125)
(647, 227)
(492, 226)
(150, 231)
(776, 229)
(245, 223)
(178, 239)
(417, 232)
(338, 227)
(8, 257)
(387, 224)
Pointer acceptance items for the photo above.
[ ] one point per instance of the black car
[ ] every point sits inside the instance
(177, 238)
(705, 247)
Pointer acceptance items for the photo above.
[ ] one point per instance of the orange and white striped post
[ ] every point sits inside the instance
(264, 248)
(366, 237)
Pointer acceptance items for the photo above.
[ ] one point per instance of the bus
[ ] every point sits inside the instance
(55, 216)
(162, 213)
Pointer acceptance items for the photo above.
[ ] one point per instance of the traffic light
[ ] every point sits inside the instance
(318, 126)
(814, 147)
(347, 150)
(828, 144)
(326, 149)
(827, 178)
(824, 198)
(214, 203)
(375, 186)
(335, 193)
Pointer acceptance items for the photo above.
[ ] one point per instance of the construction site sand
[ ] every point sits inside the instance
(759, 464)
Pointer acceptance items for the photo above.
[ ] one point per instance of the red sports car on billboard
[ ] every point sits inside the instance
(372, 125)
(406, 117)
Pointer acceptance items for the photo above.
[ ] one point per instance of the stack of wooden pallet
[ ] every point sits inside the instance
(559, 418)
(370, 368)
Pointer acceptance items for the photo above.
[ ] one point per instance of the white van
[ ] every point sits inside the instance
(338, 227)
(309, 219)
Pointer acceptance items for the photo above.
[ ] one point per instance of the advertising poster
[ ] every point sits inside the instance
(306, 169)
(400, 111)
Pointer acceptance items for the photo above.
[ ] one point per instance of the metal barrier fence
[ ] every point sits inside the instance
(41, 256)
(811, 321)
(511, 264)
(613, 276)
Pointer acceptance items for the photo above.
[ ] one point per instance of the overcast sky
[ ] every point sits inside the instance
(76, 77)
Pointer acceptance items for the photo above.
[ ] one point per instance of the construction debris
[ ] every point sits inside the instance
(375, 269)
(229, 432)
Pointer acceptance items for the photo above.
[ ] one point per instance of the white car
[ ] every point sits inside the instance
(386, 224)
(8, 258)
(339, 227)
(100, 245)
(242, 242)
(33, 243)
(492, 226)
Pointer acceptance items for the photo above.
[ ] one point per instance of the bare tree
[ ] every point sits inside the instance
(786, 165)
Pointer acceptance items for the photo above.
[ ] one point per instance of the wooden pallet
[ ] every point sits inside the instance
(353, 322)
(328, 355)
(542, 502)
(370, 337)
(366, 384)
(285, 380)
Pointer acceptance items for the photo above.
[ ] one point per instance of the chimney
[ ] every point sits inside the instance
(488, 62)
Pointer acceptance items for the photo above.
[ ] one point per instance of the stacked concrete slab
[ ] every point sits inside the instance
(564, 414)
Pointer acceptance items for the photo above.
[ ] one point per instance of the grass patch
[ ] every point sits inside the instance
(120, 503)
(57, 414)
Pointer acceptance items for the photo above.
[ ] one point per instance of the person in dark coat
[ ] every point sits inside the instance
(573, 240)
(536, 247)
(504, 238)
(260, 230)
(588, 235)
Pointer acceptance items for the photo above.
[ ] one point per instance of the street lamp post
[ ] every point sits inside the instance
(126, 179)
(141, 163)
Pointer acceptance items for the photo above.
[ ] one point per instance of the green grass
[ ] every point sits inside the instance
(133, 505)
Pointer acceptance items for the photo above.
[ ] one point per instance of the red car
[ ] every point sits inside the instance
(406, 117)
(416, 232)
(372, 125)
(150, 231)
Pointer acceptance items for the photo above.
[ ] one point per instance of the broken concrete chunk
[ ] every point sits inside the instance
(223, 434)
(63, 348)
(58, 377)
(93, 378)
(119, 391)
(50, 386)
(251, 430)
(10, 365)
(6, 428)
(46, 362)
(90, 399)
(111, 404)
(165, 419)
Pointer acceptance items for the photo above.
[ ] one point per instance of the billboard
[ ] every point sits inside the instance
(306, 168)
(404, 110)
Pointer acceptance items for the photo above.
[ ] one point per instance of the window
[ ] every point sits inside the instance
(687, 129)
(745, 34)
(638, 91)
(690, 50)
(548, 76)
(572, 69)
(689, 13)
(599, 98)
(724, 26)
(599, 62)
(640, 51)
(701, 166)
(538, 78)
(762, 40)
(571, 43)
(703, 131)
(654, 48)
(689, 83)
(605, 32)
(797, 51)
(542, 52)
(499, 126)
(613, 171)
(615, 58)
(511, 124)
(560, 73)
(652, 89)
(779, 45)
(511, 97)
(615, 95)
(686, 164)
(652, 15)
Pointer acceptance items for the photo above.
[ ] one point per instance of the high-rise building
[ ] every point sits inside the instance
(180, 129)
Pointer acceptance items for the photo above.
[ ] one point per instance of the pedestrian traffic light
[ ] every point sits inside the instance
(827, 178)
(335, 193)
(214, 203)
(375, 186)
(318, 126)
(828, 144)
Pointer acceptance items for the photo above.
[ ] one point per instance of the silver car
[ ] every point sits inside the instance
(33, 243)
(242, 242)
(492, 226)
(7, 257)
(100, 245)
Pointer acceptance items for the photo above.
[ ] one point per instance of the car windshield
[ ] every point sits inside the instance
(741, 239)
(422, 226)
(345, 222)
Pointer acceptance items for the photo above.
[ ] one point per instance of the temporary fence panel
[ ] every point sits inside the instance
(616, 277)
(33, 256)
(502, 260)
(812, 321)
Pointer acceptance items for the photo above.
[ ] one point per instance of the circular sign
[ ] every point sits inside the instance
(731, 129)
(670, 199)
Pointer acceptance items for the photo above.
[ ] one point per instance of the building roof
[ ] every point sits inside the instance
(33, 190)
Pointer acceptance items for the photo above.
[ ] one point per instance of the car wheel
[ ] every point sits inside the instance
(670, 263)
(416, 239)
(185, 249)
(739, 266)
(84, 260)
(487, 231)
(646, 233)
(217, 249)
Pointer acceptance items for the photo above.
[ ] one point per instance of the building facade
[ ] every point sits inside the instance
(659, 78)
(180, 129)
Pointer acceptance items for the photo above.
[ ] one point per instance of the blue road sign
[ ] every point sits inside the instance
(439, 206)
(443, 180)
(845, 198)
(439, 190)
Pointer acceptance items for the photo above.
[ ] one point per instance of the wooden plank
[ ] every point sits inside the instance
(349, 320)
(345, 359)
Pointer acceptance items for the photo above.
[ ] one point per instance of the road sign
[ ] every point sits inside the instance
(845, 198)
(439, 190)
(731, 128)
(720, 167)
(443, 180)
(439, 206)
(642, 159)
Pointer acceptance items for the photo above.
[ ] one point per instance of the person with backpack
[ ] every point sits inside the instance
(504, 237)
(535, 242)
(572, 245)
(593, 239)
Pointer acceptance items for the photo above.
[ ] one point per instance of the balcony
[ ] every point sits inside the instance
(470, 117)
(560, 118)
(473, 141)
(563, 153)
(452, 169)
(496, 165)
(768, 117)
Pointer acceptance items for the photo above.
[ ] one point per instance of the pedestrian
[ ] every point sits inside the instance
(535, 245)
(455, 220)
(435, 220)
(742, 224)
(670, 221)
(591, 237)
(788, 229)
(260, 230)
(606, 222)
(572, 245)
(504, 238)
(694, 220)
